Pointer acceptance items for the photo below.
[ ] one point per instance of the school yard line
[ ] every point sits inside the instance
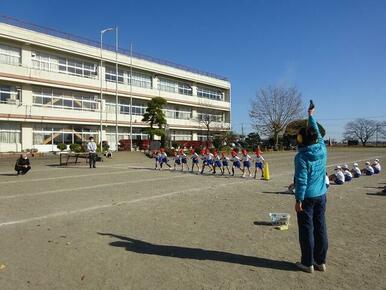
(91, 187)
(71, 176)
(124, 202)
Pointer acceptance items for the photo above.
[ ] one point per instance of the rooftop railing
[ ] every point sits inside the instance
(37, 28)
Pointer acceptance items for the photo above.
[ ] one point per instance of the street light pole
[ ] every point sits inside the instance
(131, 97)
(116, 88)
(101, 83)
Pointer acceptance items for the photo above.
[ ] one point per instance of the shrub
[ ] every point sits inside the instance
(61, 146)
(76, 148)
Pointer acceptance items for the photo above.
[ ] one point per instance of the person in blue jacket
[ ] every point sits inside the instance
(310, 194)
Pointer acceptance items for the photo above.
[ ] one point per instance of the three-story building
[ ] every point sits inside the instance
(50, 85)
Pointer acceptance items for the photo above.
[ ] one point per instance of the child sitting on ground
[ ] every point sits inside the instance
(346, 172)
(368, 170)
(376, 166)
(338, 176)
(356, 171)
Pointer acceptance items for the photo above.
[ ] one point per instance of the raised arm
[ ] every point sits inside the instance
(312, 123)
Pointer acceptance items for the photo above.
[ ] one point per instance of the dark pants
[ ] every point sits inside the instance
(23, 170)
(92, 159)
(313, 231)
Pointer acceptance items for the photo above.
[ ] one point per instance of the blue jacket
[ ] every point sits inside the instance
(310, 168)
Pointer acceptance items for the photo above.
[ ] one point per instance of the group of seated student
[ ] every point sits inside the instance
(343, 173)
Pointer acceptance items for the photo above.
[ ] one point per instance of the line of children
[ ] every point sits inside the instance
(213, 161)
(343, 174)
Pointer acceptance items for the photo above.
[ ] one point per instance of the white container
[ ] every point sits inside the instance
(279, 218)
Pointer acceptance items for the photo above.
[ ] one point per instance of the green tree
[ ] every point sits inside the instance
(155, 117)
(253, 139)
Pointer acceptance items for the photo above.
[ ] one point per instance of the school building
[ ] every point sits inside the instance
(51, 83)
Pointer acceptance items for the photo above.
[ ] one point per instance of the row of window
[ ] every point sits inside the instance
(210, 117)
(88, 69)
(71, 66)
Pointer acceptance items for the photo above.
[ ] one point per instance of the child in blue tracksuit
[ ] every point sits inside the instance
(310, 194)
(163, 159)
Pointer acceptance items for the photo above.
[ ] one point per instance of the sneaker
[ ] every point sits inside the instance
(304, 268)
(243, 176)
(320, 267)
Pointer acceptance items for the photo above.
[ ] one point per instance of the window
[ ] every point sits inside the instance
(64, 65)
(9, 133)
(112, 77)
(140, 80)
(212, 117)
(9, 54)
(184, 89)
(53, 135)
(178, 114)
(181, 135)
(63, 99)
(209, 93)
(8, 94)
(167, 85)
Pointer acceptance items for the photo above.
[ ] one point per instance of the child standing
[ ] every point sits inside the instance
(158, 160)
(177, 160)
(217, 163)
(246, 163)
(259, 163)
(235, 162)
(347, 174)
(184, 160)
(356, 171)
(225, 163)
(164, 158)
(195, 158)
(208, 161)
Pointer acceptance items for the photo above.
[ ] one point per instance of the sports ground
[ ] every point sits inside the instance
(126, 226)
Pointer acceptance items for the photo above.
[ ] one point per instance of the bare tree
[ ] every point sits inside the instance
(206, 120)
(362, 129)
(274, 108)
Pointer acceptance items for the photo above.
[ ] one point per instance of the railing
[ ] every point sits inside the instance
(37, 28)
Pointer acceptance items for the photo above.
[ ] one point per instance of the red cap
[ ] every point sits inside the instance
(215, 153)
(222, 154)
(244, 152)
(207, 151)
(192, 151)
(258, 152)
(202, 152)
(234, 153)
(162, 149)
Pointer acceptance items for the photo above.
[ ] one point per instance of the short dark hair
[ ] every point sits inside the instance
(308, 135)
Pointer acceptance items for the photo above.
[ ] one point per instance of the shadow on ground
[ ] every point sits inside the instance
(142, 247)
(262, 223)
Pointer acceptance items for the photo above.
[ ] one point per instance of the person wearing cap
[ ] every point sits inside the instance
(195, 159)
(91, 149)
(208, 161)
(346, 172)
(259, 163)
(356, 171)
(235, 162)
(310, 195)
(22, 165)
(368, 170)
(376, 166)
(338, 176)
(246, 163)
(164, 158)
(225, 163)
(184, 160)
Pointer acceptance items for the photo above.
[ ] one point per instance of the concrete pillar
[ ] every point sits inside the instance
(194, 136)
(194, 90)
(26, 136)
(26, 95)
(26, 56)
(155, 82)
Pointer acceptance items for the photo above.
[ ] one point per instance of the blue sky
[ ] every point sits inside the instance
(333, 51)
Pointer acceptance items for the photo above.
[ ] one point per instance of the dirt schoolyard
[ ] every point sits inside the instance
(125, 226)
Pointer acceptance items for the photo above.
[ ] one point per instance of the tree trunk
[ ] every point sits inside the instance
(276, 137)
